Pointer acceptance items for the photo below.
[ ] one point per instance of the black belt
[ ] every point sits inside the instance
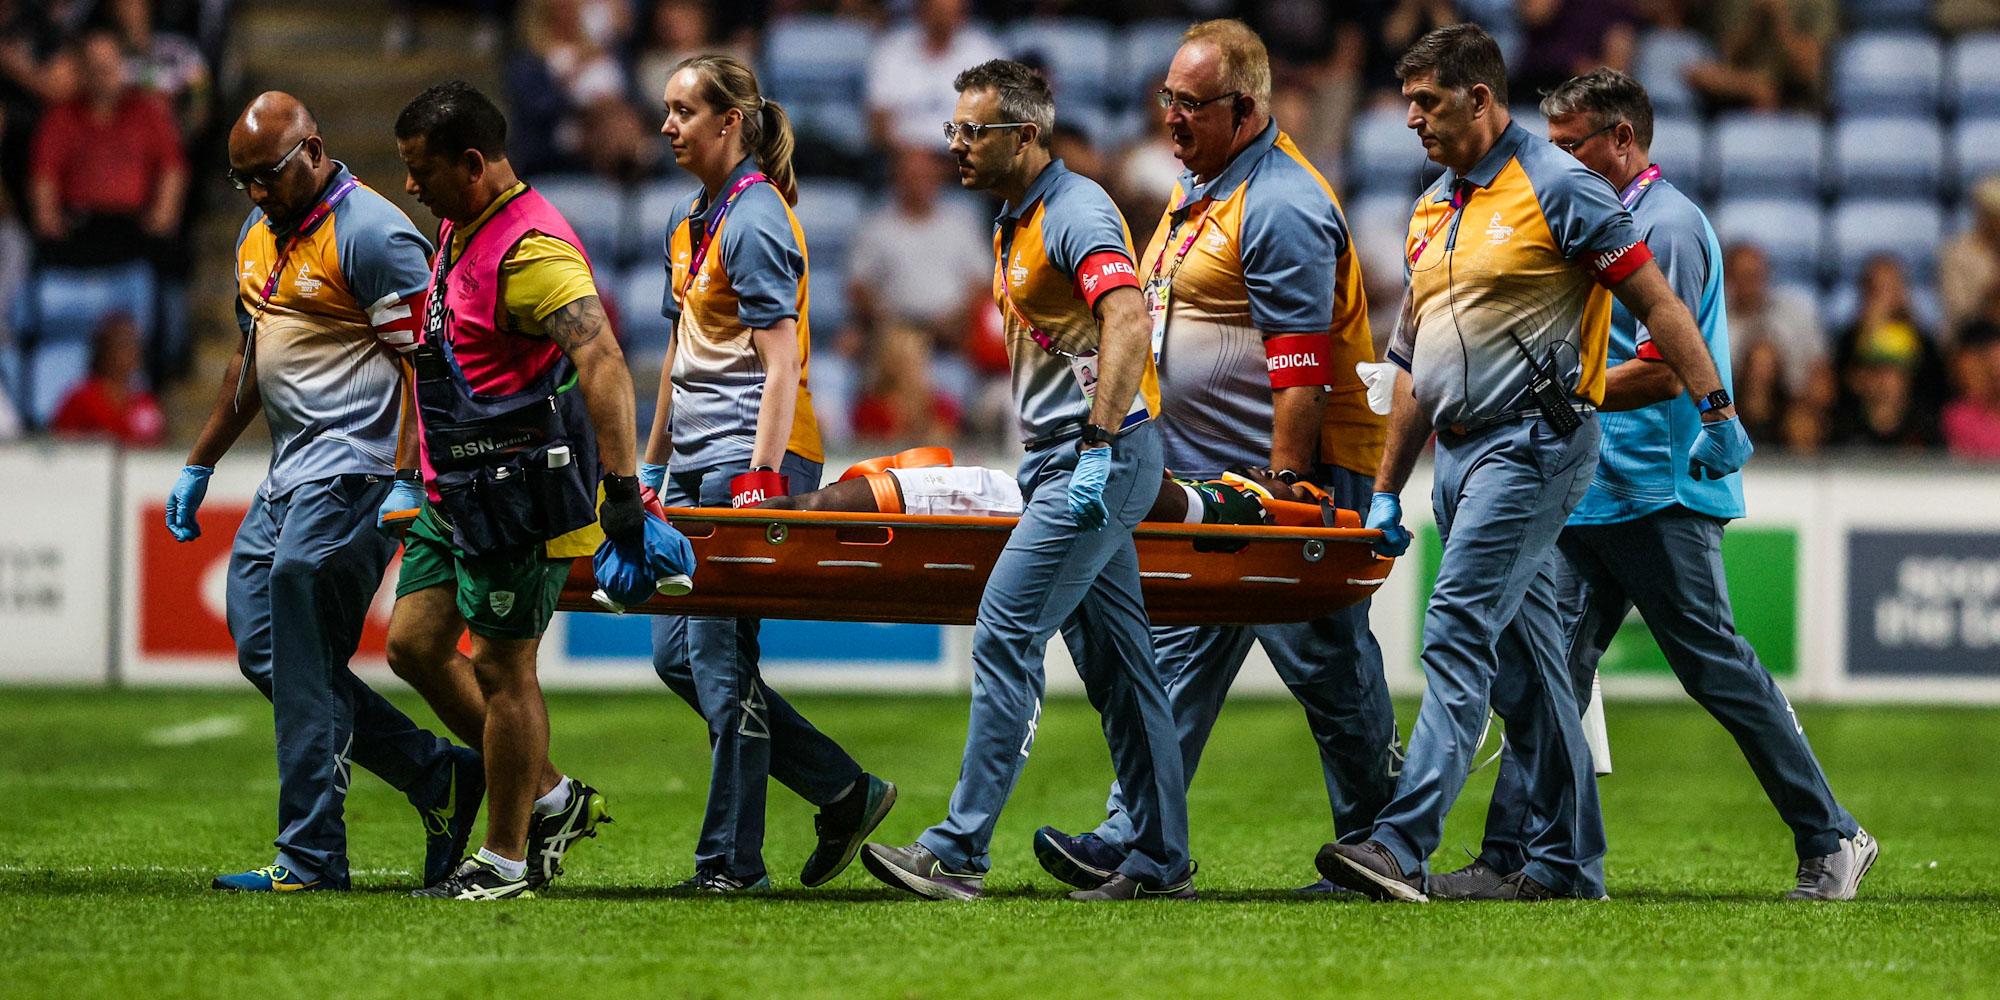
(1511, 417)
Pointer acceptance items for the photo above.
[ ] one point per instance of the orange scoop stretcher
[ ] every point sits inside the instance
(828, 566)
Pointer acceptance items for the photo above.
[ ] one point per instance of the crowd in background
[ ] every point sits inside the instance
(907, 348)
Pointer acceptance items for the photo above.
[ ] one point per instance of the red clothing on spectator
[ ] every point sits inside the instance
(91, 411)
(109, 167)
(1972, 431)
(876, 416)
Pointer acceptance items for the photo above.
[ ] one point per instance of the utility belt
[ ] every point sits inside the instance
(1474, 426)
(511, 471)
(1070, 430)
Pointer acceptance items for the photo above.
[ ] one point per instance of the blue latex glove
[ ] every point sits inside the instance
(1385, 514)
(1720, 449)
(400, 507)
(652, 476)
(185, 500)
(1086, 488)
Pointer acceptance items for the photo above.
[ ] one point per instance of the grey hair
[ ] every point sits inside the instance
(1024, 94)
(1607, 96)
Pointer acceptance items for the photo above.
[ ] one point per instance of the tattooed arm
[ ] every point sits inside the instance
(584, 334)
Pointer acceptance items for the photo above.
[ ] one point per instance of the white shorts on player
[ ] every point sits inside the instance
(960, 491)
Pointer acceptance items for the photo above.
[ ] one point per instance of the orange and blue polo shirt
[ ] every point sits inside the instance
(348, 301)
(1527, 245)
(1271, 258)
(753, 278)
(1056, 252)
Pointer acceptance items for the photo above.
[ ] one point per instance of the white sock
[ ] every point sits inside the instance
(512, 869)
(1194, 507)
(556, 801)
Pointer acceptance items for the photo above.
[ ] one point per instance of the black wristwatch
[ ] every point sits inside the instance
(1286, 476)
(408, 476)
(1713, 401)
(1093, 434)
(762, 468)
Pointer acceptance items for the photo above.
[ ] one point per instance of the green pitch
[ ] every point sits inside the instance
(120, 806)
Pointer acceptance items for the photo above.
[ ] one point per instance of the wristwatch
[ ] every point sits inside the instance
(1093, 434)
(1713, 401)
(1286, 476)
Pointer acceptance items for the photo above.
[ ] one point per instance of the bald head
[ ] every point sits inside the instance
(277, 156)
(269, 128)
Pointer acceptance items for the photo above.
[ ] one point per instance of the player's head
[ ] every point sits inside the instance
(716, 115)
(276, 157)
(1602, 118)
(1013, 97)
(450, 137)
(1217, 93)
(1456, 81)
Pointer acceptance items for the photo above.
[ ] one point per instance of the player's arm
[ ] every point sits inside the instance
(583, 332)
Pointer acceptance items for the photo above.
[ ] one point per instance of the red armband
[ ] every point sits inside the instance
(1648, 352)
(1101, 272)
(399, 323)
(1614, 266)
(1297, 359)
(753, 488)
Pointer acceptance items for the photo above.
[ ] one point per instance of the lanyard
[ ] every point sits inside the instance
(1458, 198)
(700, 254)
(312, 219)
(1042, 340)
(1180, 255)
(1637, 189)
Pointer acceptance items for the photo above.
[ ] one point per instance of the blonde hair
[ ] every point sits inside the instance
(1246, 64)
(767, 131)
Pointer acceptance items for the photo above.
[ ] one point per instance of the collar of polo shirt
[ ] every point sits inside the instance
(1232, 176)
(1490, 165)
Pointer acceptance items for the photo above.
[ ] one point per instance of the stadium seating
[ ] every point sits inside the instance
(1789, 231)
(1680, 148)
(1383, 154)
(1379, 223)
(1660, 64)
(1977, 145)
(1888, 157)
(641, 292)
(1887, 13)
(1910, 228)
(1758, 154)
(1145, 50)
(816, 57)
(655, 203)
(1076, 55)
(1888, 73)
(830, 211)
(57, 317)
(1973, 77)
(594, 208)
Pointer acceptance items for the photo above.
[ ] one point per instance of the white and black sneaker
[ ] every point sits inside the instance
(1837, 875)
(550, 837)
(476, 880)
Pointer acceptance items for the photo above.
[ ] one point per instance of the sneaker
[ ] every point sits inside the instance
(1122, 886)
(476, 880)
(270, 878)
(1836, 875)
(1368, 868)
(1469, 882)
(550, 837)
(843, 826)
(1518, 887)
(448, 823)
(916, 869)
(1327, 888)
(712, 881)
(1082, 861)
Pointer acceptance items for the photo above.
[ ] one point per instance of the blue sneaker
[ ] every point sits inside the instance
(844, 826)
(448, 822)
(1082, 861)
(270, 878)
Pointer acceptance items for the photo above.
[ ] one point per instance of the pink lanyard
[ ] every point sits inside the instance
(313, 218)
(1637, 189)
(1042, 340)
(1457, 202)
(700, 255)
(1180, 255)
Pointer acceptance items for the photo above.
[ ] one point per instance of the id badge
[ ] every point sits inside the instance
(1085, 369)
(1158, 292)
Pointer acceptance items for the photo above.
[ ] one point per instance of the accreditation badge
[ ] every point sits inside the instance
(1158, 293)
(1084, 368)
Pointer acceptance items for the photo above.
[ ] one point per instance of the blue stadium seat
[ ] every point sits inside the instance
(1888, 73)
(1754, 154)
(829, 303)
(1790, 231)
(1888, 157)
(816, 57)
(67, 303)
(655, 202)
(1973, 75)
(641, 291)
(830, 212)
(1104, 128)
(1379, 223)
(841, 124)
(1680, 148)
(1145, 50)
(1528, 116)
(1907, 15)
(1977, 146)
(595, 208)
(1383, 154)
(1910, 228)
(1662, 58)
(54, 368)
(1075, 54)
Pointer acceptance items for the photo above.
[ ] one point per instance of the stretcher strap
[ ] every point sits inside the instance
(888, 499)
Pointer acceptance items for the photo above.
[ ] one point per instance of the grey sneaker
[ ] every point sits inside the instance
(1515, 888)
(1368, 868)
(1121, 886)
(916, 869)
(1470, 882)
(711, 881)
(1837, 875)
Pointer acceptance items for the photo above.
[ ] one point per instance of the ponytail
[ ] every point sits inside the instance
(773, 149)
(726, 82)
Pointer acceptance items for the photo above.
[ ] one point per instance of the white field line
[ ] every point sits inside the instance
(215, 727)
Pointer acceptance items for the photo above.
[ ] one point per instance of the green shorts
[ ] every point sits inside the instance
(507, 596)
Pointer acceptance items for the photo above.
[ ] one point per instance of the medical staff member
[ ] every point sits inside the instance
(1513, 258)
(1647, 535)
(735, 425)
(1258, 321)
(513, 314)
(330, 286)
(1086, 396)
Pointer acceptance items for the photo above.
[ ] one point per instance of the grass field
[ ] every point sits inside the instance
(122, 805)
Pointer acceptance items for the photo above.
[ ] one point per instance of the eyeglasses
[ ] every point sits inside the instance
(1572, 147)
(971, 131)
(267, 176)
(1168, 100)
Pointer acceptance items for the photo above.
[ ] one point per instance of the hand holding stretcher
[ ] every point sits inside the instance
(860, 564)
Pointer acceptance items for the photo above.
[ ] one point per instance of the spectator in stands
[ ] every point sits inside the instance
(1391, 27)
(570, 65)
(164, 63)
(1891, 376)
(1072, 145)
(1972, 421)
(1566, 38)
(911, 70)
(901, 403)
(920, 262)
(36, 71)
(1762, 400)
(676, 30)
(110, 403)
(399, 33)
(1787, 321)
(1773, 53)
(1969, 266)
(109, 174)
(1956, 16)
